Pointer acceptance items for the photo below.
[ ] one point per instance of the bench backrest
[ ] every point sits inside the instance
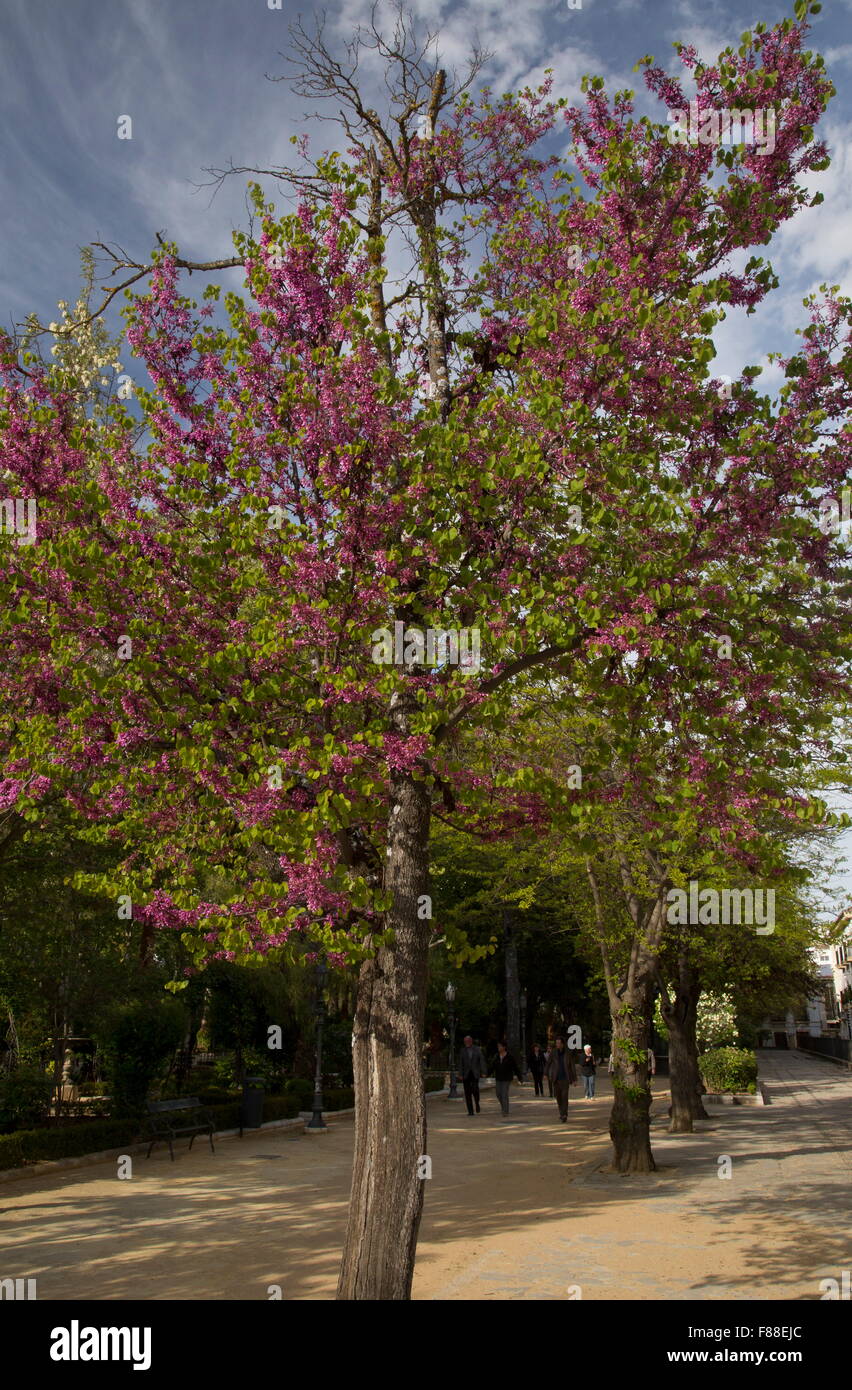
(156, 1107)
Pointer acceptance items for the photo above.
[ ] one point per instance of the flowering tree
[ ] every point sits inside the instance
(85, 353)
(716, 1025)
(206, 671)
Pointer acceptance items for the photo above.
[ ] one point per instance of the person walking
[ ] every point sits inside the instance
(505, 1067)
(548, 1053)
(652, 1067)
(536, 1065)
(472, 1069)
(562, 1072)
(588, 1068)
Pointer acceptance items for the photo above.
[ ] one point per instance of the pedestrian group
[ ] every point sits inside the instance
(554, 1065)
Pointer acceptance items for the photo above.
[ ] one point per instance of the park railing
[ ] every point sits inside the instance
(829, 1047)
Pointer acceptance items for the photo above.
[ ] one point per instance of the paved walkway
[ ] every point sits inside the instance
(516, 1209)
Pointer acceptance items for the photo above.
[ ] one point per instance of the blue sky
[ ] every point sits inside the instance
(191, 75)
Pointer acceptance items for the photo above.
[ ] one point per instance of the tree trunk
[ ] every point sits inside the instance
(629, 1123)
(387, 1040)
(680, 1015)
(513, 990)
(146, 944)
(390, 1112)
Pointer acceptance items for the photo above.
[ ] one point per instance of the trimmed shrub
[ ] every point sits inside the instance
(209, 1095)
(434, 1083)
(65, 1141)
(10, 1151)
(73, 1141)
(340, 1099)
(226, 1116)
(303, 1089)
(280, 1108)
(729, 1069)
(24, 1098)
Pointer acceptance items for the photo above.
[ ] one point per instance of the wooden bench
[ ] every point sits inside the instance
(165, 1116)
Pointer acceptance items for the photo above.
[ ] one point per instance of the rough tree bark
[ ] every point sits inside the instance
(390, 1117)
(680, 1013)
(631, 1001)
(629, 1122)
(390, 1111)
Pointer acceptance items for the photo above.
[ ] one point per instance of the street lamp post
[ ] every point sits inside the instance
(522, 1002)
(316, 1121)
(451, 997)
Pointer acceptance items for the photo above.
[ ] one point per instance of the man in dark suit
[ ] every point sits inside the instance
(472, 1067)
(536, 1065)
(563, 1073)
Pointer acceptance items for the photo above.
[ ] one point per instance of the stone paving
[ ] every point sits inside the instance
(515, 1209)
(774, 1229)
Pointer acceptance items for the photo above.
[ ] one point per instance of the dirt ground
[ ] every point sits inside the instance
(515, 1209)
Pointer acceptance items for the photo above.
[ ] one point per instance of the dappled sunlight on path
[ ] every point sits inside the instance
(518, 1208)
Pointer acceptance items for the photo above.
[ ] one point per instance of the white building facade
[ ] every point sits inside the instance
(829, 1011)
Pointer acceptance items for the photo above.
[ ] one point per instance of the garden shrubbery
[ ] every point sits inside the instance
(10, 1151)
(70, 1141)
(24, 1098)
(303, 1089)
(281, 1108)
(341, 1099)
(729, 1069)
(136, 1039)
(65, 1141)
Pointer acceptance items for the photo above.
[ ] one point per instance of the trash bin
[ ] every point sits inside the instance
(251, 1114)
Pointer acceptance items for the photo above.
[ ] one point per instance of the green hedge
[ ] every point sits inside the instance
(729, 1069)
(10, 1151)
(342, 1099)
(280, 1108)
(302, 1089)
(434, 1083)
(64, 1141)
(24, 1098)
(226, 1116)
(72, 1141)
(209, 1095)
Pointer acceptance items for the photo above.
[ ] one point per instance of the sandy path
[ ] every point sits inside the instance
(514, 1209)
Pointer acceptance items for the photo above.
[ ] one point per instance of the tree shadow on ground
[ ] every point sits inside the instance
(270, 1209)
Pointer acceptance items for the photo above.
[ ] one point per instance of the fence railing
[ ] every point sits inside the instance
(830, 1047)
